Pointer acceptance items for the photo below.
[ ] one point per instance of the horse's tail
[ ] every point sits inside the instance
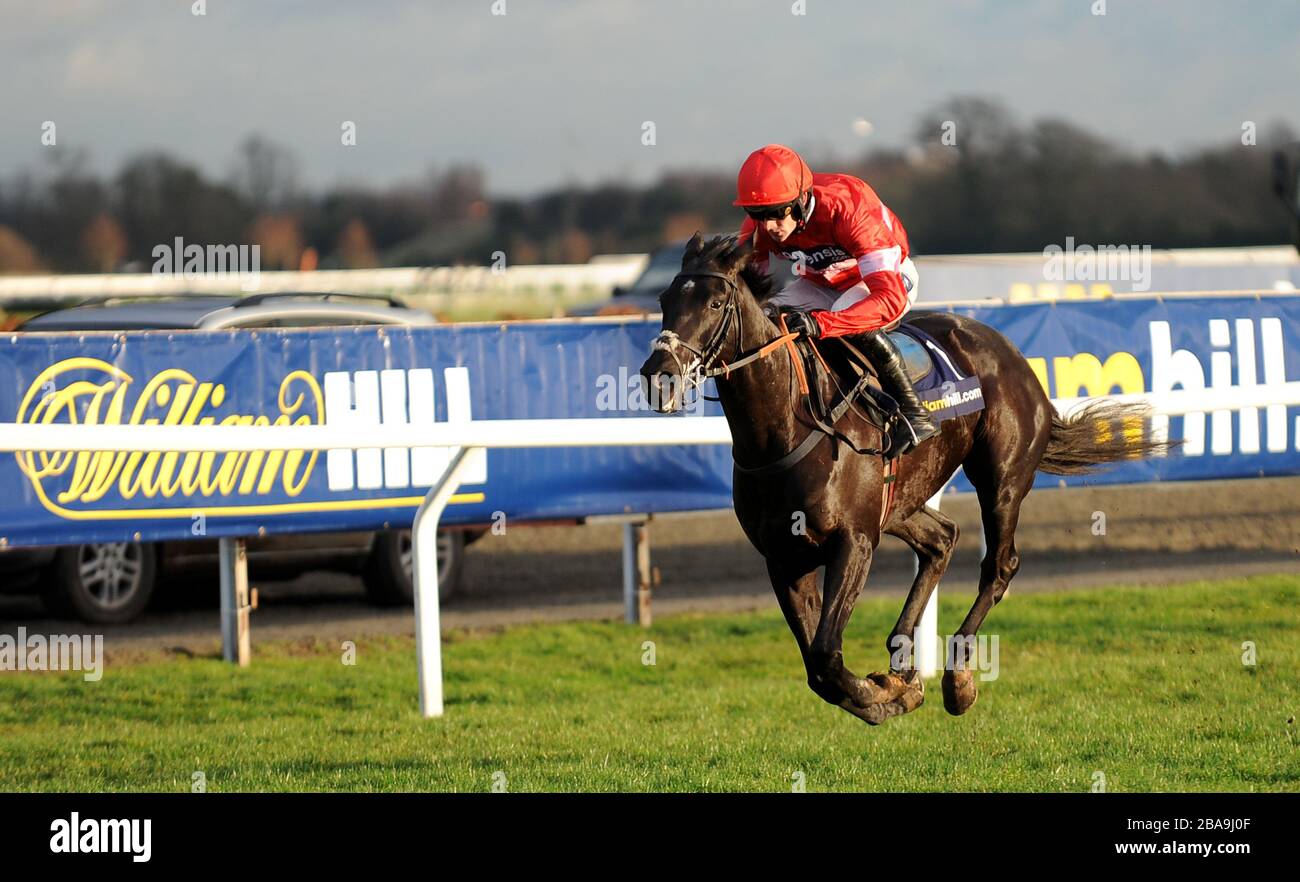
(1098, 433)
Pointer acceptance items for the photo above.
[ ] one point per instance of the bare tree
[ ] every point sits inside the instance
(266, 174)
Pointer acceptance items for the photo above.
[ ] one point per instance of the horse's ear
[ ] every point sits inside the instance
(693, 248)
(738, 257)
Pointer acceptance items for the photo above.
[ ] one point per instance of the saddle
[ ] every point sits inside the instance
(939, 385)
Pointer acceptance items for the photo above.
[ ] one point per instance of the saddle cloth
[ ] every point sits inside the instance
(943, 389)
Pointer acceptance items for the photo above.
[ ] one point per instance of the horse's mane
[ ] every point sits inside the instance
(721, 251)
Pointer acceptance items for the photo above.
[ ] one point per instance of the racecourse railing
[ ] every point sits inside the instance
(596, 279)
(470, 441)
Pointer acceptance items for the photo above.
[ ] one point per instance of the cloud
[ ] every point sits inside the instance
(558, 91)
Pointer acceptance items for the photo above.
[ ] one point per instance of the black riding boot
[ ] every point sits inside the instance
(889, 362)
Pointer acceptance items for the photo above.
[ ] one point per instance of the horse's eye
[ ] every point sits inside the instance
(716, 304)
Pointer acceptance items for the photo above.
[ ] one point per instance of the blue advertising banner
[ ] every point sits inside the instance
(1152, 345)
(342, 376)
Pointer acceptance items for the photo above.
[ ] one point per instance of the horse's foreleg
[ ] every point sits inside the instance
(873, 699)
(800, 600)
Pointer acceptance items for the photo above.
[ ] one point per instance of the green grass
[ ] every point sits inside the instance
(1144, 685)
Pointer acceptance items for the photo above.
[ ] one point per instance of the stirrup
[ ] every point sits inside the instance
(909, 441)
(919, 439)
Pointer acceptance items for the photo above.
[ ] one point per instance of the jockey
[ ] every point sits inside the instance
(850, 254)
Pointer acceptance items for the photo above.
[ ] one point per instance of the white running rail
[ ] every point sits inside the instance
(472, 439)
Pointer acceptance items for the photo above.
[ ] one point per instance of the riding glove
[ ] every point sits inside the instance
(802, 323)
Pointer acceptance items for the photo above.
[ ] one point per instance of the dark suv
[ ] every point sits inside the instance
(112, 582)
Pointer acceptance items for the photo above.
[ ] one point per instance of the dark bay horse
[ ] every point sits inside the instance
(713, 314)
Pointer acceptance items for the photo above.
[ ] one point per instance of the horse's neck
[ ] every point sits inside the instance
(758, 399)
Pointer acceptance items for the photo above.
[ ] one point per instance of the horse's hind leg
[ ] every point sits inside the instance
(933, 536)
(1002, 484)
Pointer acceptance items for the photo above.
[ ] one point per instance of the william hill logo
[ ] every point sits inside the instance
(105, 485)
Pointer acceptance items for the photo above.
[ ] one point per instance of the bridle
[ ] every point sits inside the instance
(701, 366)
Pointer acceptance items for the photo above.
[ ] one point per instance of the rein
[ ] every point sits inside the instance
(701, 369)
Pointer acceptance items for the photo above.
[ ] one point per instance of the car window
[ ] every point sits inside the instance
(299, 322)
(280, 316)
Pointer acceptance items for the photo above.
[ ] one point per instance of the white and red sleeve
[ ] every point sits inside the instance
(877, 262)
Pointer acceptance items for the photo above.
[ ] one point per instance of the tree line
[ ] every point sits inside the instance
(975, 180)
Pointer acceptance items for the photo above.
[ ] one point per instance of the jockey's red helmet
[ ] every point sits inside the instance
(772, 175)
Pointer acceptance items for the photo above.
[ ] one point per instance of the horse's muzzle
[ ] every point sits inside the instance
(661, 384)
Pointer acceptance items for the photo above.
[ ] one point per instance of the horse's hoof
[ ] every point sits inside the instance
(914, 697)
(885, 686)
(876, 714)
(915, 682)
(904, 704)
(959, 692)
(909, 696)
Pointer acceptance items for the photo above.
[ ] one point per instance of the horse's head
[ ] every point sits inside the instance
(702, 316)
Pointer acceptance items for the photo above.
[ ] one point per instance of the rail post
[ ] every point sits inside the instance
(424, 543)
(925, 639)
(236, 641)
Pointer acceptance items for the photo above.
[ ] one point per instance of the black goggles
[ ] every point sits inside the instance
(768, 212)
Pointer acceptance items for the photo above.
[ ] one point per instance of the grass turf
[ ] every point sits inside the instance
(1146, 686)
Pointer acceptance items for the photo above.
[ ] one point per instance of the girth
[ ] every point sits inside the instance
(806, 359)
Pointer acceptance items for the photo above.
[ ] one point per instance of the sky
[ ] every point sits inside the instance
(558, 92)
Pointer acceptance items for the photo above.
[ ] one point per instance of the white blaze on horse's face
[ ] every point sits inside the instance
(667, 391)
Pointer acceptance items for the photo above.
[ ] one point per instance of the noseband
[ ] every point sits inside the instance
(701, 366)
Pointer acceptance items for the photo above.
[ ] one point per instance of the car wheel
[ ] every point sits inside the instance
(389, 573)
(103, 583)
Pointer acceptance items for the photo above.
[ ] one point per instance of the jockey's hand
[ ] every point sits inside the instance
(802, 324)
